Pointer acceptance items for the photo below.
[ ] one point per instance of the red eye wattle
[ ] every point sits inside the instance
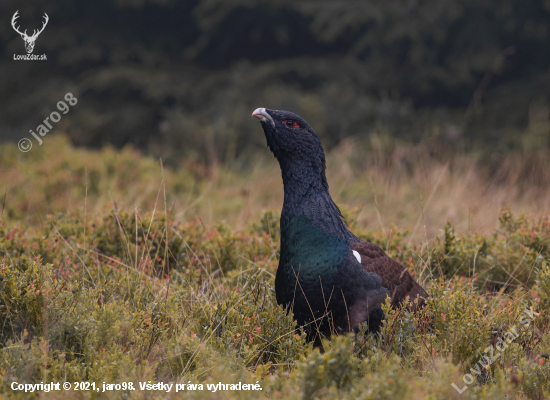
(290, 123)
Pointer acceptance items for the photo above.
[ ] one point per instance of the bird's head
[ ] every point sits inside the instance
(291, 139)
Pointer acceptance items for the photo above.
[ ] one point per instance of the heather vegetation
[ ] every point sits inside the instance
(114, 269)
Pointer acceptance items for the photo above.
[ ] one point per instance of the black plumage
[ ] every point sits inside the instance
(331, 280)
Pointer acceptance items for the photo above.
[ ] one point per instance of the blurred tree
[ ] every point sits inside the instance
(180, 77)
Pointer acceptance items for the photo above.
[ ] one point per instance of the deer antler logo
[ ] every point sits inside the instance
(29, 40)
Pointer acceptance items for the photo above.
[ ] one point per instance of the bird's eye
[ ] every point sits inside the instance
(290, 123)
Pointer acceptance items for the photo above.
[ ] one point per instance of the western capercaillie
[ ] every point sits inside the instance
(331, 280)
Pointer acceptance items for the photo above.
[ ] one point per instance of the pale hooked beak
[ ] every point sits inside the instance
(262, 115)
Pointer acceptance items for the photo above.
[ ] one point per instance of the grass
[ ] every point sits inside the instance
(418, 187)
(114, 269)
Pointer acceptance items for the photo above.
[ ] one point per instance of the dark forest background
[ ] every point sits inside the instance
(181, 78)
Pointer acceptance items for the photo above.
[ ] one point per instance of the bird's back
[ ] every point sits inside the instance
(395, 277)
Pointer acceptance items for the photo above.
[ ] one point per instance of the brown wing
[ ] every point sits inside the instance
(394, 276)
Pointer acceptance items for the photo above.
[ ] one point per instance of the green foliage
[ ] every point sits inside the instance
(107, 294)
(199, 300)
(249, 324)
(270, 224)
(336, 367)
(506, 260)
(542, 288)
(183, 76)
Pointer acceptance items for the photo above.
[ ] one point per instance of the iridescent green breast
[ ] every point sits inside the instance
(309, 254)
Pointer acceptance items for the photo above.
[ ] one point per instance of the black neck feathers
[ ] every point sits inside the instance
(302, 159)
(306, 192)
